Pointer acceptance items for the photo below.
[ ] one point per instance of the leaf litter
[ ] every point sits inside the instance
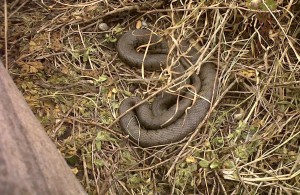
(67, 68)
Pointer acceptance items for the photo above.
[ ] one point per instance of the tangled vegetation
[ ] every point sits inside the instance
(61, 54)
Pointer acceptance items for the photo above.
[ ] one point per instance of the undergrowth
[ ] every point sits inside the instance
(62, 56)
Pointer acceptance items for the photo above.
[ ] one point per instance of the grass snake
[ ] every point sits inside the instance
(168, 119)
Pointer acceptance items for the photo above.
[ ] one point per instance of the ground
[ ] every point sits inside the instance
(62, 56)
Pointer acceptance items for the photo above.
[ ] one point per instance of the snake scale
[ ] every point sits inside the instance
(166, 120)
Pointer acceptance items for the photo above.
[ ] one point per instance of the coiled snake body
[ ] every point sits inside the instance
(167, 122)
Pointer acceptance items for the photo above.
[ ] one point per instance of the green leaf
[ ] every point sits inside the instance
(127, 159)
(228, 164)
(204, 163)
(72, 160)
(99, 163)
(109, 38)
(98, 145)
(102, 78)
(259, 4)
(103, 136)
(272, 5)
(218, 141)
(135, 179)
(215, 164)
(241, 152)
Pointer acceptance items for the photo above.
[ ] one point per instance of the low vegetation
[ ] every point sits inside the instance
(62, 56)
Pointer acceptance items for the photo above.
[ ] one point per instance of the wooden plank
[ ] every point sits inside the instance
(29, 161)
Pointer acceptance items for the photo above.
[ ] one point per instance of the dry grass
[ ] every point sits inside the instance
(69, 73)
